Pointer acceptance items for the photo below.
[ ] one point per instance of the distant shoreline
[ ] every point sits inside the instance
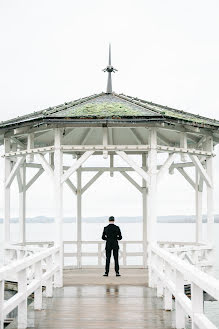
(134, 219)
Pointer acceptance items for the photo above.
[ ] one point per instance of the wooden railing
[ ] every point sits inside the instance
(45, 269)
(98, 255)
(168, 273)
(198, 254)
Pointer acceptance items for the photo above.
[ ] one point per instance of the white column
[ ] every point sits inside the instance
(7, 170)
(144, 211)
(152, 191)
(152, 188)
(22, 205)
(210, 191)
(58, 199)
(78, 218)
(198, 205)
(30, 145)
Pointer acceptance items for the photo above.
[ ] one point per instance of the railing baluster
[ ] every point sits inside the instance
(180, 315)
(168, 302)
(159, 265)
(49, 281)
(38, 291)
(99, 254)
(197, 302)
(22, 306)
(124, 254)
(58, 274)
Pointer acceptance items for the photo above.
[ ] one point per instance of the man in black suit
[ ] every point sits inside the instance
(112, 234)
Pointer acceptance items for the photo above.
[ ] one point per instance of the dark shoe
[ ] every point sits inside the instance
(106, 274)
(117, 274)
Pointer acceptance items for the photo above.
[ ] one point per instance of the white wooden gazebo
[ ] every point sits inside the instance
(109, 125)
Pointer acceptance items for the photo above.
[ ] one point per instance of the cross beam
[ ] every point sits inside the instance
(76, 165)
(138, 169)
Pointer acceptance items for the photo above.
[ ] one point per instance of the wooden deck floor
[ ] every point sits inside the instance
(90, 301)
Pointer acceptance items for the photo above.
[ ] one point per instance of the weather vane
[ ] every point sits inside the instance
(109, 69)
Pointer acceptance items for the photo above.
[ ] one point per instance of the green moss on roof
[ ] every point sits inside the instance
(101, 110)
(186, 116)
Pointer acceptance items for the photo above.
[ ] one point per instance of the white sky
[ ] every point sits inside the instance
(166, 51)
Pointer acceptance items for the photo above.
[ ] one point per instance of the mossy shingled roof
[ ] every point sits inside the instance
(111, 106)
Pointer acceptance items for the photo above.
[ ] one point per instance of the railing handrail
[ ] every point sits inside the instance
(207, 282)
(19, 265)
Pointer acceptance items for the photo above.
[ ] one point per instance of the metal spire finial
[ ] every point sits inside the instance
(109, 69)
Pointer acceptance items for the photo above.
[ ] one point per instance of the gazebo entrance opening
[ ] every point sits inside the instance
(89, 250)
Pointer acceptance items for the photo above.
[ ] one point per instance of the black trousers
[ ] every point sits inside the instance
(116, 259)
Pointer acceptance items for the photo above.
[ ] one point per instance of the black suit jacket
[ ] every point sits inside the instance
(112, 234)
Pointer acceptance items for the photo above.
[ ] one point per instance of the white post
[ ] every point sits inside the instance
(58, 191)
(22, 205)
(198, 203)
(168, 303)
(22, 307)
(30, 145)
(38, 292)
(210, 191)
(152, 190)
(78, 219)
(180, 315)
(159, 265)
(183, 144)
(144, 211)
(197, 302)
(7, 170)
(49, 283)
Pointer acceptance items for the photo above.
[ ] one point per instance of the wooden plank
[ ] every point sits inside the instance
(112, 305)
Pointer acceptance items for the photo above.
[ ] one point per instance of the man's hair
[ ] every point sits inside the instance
(111, 219)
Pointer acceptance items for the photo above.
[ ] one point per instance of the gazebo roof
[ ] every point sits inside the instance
(111, 108)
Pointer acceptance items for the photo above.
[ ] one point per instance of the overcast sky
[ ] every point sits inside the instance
(165, 51)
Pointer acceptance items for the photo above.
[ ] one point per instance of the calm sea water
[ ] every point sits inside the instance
(130, 231)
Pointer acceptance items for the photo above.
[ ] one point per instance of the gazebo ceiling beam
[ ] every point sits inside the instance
(201, 141)
(18, 142)
(164, 139)
(137, 136)
(68, 133)
(86, 136)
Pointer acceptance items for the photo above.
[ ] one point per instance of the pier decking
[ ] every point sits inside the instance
(89, 300)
